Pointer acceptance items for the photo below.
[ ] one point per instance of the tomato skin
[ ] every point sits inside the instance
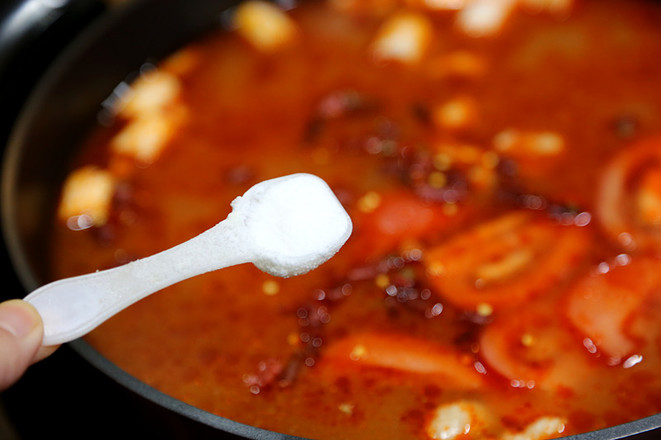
(404, 355)
(404, 215)
(531, 348)
(400, 217)
(602, 306)
(628, 199)
(521, 255)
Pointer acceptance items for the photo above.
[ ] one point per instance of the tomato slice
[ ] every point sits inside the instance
(531, 348)
(602, 306)
(629, 197)
(505, 261)
(398, 218)
(403, 354)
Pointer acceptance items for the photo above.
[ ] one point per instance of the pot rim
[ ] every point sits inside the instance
(13, 156)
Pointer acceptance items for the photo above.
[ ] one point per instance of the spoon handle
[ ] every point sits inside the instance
(74, 306)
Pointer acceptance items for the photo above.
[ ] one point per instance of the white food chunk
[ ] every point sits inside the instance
(484, 17)
(473, 419)
(87, 193)
(144, 138)
(459, 418)
(151, 93)
(264, 25)
(403, 37)
(540, 429)
(152, 112)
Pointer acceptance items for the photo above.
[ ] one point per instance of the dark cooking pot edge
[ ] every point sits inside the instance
(244, 431)
(85, 49)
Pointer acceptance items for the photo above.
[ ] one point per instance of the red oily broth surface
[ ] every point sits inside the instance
(504, 255)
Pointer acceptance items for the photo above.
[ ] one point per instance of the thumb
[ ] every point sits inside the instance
(21, 333)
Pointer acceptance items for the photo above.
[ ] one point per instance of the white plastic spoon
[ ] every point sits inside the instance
(285, 226)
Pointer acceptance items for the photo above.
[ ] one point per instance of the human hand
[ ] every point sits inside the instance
(21, 333)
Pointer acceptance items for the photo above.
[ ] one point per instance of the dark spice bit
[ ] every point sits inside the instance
(335, 105)
(239, 175)
(311, 318)
(625, 126)
(403, 289)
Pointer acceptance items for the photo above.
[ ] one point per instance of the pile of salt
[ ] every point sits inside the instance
(294, 223)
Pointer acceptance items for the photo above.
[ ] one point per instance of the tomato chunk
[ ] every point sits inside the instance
(405, 355)
(602, 305)
(628, 204)
(385, 221)
(531, 348)
(520, 256)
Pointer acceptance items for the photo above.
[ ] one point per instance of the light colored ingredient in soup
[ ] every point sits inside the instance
(264, 25)
(499, 161)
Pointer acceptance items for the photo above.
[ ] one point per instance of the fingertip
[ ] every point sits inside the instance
(21, 334)
(43, 352)
(21, 319)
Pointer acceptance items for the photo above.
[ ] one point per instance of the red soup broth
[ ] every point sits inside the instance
(503, 175)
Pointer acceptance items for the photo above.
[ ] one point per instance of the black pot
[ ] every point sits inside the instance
(84, 49)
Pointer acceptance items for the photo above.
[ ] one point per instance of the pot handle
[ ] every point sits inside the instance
(32, 33)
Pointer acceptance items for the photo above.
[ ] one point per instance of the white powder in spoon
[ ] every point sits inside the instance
(294, 223)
